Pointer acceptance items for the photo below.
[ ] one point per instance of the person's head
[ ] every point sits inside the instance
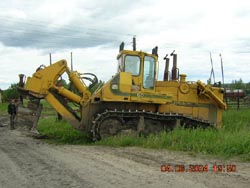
(12, 101)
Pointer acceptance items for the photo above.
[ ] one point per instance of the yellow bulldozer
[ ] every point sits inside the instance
(132, 100)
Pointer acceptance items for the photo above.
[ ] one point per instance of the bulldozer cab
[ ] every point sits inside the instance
(142, 67)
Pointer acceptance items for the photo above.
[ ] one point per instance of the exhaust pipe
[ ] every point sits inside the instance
(175, 70)
(134, 43)
(21, 80)
(166, 72)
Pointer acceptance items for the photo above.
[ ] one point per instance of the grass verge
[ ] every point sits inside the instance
(61, 132)
(233, 139)
(3, 108)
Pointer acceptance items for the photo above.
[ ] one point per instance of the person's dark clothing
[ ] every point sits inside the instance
(12, 109)
(12, 112)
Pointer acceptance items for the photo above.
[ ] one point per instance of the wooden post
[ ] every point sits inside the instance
(50, 59)
(238, 100)
(71, 58)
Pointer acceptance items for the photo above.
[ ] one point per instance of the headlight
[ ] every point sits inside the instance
(114, 86)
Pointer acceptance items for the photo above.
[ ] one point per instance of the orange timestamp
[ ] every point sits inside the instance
(184, 168)
(197, 168)
(224, 168)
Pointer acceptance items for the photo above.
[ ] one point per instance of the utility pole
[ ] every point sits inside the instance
(222, 71)
(50, 59)
(212, 70)
(71, 58)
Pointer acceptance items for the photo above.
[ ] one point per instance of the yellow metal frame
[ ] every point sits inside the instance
(193, 99)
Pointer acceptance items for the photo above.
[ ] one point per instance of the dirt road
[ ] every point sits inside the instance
(30, 163)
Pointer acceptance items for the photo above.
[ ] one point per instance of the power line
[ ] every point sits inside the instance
(73, 28)
(9, 33)
(71, 34)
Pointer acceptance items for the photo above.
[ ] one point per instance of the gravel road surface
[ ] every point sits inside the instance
(27, 162)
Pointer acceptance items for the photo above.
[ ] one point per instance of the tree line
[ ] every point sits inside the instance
(238, 84)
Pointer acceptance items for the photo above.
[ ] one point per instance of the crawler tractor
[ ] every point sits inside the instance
(133, 100)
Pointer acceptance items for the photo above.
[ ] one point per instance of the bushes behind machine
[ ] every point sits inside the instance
(10, 93)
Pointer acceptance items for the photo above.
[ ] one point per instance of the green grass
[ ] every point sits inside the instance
(3, 108)
(61, 132)
(233, 139)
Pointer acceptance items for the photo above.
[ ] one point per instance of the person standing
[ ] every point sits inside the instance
(12, 113)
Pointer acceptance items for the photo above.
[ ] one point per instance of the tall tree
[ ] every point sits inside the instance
(11, 93)
(238, 84)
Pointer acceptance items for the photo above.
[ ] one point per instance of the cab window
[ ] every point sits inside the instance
(132, 65)
(149, 72)
(119, 68)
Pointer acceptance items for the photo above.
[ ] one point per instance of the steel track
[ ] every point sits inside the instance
(161, 117)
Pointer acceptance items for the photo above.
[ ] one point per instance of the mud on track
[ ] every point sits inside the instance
(30, 163)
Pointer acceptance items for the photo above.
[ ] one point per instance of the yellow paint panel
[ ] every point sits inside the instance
(125, 82)
(195, 112)
(219, 118)
(166, 83)
(185, 110)
(204, 113)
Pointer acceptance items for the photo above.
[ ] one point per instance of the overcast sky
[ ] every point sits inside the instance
(93, 30)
